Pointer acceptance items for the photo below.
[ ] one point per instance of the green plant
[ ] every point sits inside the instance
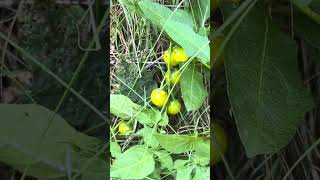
(258, 53)
(162, 150)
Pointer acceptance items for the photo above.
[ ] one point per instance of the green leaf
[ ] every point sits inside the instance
(189, 40)
(149, 116)
(184, 173)
(122, 106)
(177, 143)
(184, 17)
(115, 149)
(179, 163)
(202, 173)
(157, 12)
(192, 88)
(203, 31)
(135, 163)
(267, 95)
(201, 10)
(156, 174)
(21, 143)
(148, 136)
(165, 159)
(164, 120)
(202, 151)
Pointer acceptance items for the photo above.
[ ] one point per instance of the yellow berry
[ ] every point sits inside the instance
(179, 55)
(167, 57)
(159, 97)
(124, 128)
(174, 77)
(174, 107)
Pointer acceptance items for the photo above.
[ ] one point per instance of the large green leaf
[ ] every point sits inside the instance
(21, 131)
(192, 88)
(267, 95)
(135, 163)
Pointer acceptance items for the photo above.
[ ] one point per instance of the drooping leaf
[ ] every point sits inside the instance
(27, 139)
(135, 163)
(192, 88)
(264, 86)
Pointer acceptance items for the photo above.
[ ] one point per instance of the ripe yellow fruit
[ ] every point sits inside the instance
(179, 55)
(174, 77)
(221, 140)
(124, 128)
(174, 107)
(159, 97)
(167, 57)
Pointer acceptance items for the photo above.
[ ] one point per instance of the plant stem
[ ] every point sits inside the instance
(307, 11)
